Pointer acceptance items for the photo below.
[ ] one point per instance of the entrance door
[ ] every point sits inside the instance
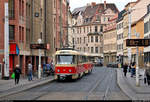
(0, 70)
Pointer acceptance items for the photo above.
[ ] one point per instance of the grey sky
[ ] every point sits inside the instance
(79, 3)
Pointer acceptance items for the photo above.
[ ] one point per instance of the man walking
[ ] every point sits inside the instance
(29, 71)
(17, 72)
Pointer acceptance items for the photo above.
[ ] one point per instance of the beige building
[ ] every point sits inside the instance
(89, 24)
(110, 41)
(139, 9)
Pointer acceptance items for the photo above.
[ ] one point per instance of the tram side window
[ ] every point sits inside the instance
(83, 59)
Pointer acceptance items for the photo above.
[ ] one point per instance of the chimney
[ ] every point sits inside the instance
(87, 4)
(93, 3)
(104, 5)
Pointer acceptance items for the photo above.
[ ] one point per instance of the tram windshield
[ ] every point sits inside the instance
(65, 59)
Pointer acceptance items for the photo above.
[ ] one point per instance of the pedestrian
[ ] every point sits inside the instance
(29, 71)
(17, 72)
(133, 67)
(125, 67)
(147, 73)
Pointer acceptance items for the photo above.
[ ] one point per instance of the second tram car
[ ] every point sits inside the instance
(72, 64)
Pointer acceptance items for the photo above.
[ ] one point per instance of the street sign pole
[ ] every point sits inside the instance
(39, 68)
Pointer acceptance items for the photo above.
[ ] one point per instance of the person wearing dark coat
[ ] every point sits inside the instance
(17, 72)
(147, 73)
(125, 67)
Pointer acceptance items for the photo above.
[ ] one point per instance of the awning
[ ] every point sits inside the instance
(13, 49)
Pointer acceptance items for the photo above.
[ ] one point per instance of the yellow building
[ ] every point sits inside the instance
(110, 41)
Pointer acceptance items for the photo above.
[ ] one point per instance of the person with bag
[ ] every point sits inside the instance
(17, 73)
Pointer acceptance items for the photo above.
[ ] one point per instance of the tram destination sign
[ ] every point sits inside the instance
(38, 46)
(137, 42)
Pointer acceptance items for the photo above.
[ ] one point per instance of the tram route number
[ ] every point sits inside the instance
(137, 42)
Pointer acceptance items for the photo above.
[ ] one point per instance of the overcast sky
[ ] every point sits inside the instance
(79, 3)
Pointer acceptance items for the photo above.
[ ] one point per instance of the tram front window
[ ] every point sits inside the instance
(65, 59)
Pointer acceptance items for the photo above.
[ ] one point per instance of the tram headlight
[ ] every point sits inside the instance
(58, 70)
(70, 70)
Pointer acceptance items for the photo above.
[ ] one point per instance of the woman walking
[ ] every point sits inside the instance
(125, 67)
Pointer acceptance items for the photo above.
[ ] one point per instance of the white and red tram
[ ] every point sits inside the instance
(72, 64)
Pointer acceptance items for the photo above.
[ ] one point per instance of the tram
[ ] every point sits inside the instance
(70, 63)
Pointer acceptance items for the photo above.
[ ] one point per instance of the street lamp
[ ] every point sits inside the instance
(39, 68)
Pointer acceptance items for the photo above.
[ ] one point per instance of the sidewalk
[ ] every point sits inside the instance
(8, 87)
(128, 85)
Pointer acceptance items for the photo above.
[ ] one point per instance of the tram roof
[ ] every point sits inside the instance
(62, 52)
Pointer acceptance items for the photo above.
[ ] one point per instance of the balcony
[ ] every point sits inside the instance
(94, 33)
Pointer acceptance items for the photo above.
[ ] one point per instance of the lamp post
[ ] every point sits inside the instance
(137, 63)
(129, 35)
(39, 68)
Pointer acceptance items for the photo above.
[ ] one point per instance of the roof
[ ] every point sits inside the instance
(76, 11)
(120, 15)
(139, 10)
(91, 10)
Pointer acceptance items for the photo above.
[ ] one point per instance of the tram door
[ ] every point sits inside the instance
(0, 70)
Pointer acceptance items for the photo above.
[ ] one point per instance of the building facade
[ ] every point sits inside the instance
(30, 20)
(89, 25)
(110, 41)
(147, 36)
(120, 37)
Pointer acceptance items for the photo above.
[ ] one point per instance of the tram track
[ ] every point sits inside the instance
(99, 81)
(100, 85)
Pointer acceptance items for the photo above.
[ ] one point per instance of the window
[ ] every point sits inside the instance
(84, 49)
(91, 49)
(95, 28)
(96, 49)
(145, 27)
(96, 39)
(80, 40)
(11, 32)
(101, 28)
(73, 41)
(90, 29)
(87, 29)
(28, 35)
(11, 4)
(54, 3)
(91, 38)
(84, 39)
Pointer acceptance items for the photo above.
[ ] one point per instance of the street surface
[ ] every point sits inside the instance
(100, 85)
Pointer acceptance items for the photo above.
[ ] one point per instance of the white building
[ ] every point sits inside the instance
(147, 36)
(120, 31)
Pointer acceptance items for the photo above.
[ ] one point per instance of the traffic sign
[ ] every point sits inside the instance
(38, 46)
(137, 42)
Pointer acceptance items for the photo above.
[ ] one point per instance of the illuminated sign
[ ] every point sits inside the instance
(137, 42)
(38, 46)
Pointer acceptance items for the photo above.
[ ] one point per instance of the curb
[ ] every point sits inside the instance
(28, 87)
(125, 87)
